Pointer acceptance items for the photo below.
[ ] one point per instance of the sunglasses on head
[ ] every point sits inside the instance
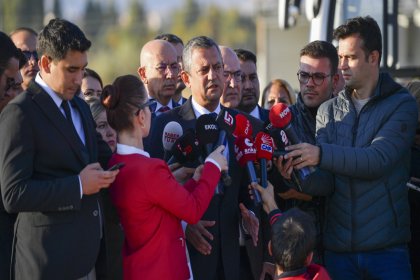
(29, 54)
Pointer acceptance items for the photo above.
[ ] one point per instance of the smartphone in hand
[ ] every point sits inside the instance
(116, 166)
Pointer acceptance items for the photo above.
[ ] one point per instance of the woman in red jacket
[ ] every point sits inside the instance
(149, 200)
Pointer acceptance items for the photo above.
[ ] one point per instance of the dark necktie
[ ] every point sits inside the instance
(214, 115)
(163, 109)
(66, 108)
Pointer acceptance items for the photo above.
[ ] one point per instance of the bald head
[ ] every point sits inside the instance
(159, 70)
(155, 49)
(231, 95)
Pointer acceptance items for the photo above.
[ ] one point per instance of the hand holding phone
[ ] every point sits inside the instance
(116, 166)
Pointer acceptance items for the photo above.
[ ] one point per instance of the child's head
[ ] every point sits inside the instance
(293, 238)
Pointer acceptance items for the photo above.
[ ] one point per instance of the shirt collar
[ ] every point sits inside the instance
(128, 150)
(158, 105)
(57, 99)
(200, 110)
(255, 113)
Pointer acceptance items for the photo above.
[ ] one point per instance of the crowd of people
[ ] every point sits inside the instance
(89, 189)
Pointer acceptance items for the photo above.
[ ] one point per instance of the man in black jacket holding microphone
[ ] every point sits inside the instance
(318, 78)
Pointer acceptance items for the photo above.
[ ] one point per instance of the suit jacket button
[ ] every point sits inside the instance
(95, 213)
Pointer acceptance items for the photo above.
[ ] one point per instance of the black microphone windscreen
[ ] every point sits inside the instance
(226, 121)
(206, 129)
(185, 148)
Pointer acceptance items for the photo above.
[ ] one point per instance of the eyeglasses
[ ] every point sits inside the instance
(11, 84)
(29, 54)
(237, 75)
(317, 78)
(149, 103)
(163, 68)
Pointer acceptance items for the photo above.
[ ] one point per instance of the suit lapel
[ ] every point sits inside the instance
(54, 115)
(186, 111)
(264, 113)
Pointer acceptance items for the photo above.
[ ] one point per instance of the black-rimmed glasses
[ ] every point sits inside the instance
(144, 105)
(11, 84)
(318, 78)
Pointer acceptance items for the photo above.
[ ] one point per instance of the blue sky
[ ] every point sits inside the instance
(73, 8)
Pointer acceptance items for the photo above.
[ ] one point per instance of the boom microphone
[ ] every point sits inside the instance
(171, 133)
(264, 145)
(246, 154)
(281, 117)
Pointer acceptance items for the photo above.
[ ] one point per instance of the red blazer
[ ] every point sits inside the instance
(151, 205)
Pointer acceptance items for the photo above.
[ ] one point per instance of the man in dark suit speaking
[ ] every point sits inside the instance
(49, 172)
(213, 243)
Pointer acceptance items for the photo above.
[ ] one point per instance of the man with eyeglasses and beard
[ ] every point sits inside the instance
(25, 39)
(318, 78)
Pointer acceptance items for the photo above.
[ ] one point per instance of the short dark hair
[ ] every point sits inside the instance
(21, 29)
(121, 101)
(200, 42)
(91, 73)
(60, 36)
(322, 49)
(293, 238)
(245, 55)
(171, 38)
(8, 50)
(368, 30)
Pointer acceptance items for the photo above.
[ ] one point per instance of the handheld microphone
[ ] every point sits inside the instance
(246, 154)
(186, 148)
(207, 132)
(281, 117)
(226, 124)
(243, 127)
(264, 145)
(171, 133)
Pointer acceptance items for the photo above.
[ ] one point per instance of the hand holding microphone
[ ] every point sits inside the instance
(264, 145)
(217, 156)
(226, 123)
(281, 117)
(246, 154)
(186, 149)
(171, 133)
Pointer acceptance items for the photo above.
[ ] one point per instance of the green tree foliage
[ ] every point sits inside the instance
(226, 27)
(116, 52)
(18, 13)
